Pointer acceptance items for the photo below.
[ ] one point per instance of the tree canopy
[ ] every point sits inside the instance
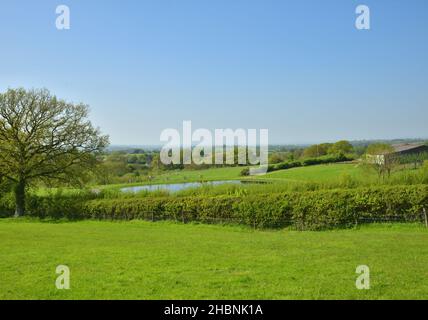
(43, 138)
(379, 148)
(318, 150)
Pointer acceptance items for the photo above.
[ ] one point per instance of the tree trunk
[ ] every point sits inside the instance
(20, 198)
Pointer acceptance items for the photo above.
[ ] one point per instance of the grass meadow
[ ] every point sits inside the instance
(317, 177)
(319, 173)
(165, 260)
(168, 260)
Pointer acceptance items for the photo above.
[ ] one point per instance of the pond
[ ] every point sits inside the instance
(173, 187)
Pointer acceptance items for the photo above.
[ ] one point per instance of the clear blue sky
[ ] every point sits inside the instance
(297, 68)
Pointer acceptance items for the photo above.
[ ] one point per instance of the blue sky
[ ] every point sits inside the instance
(298, 68)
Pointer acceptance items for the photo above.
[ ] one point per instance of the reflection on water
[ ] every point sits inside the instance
(173, 187)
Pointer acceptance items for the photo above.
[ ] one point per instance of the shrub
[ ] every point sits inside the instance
(309, 162)
(310, 210)
(245, 172)
(307, 210)
(7, 205)
(287, 165)
(58, 204)
(325, 160)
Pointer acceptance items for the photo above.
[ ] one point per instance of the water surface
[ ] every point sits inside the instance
(174, 187)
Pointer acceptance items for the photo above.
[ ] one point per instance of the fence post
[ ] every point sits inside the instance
(425, 216)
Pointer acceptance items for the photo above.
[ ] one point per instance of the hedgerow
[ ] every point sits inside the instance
(308, 210)
(304, 163)
(304, 210)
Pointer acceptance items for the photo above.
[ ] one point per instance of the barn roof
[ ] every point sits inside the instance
(406, 146)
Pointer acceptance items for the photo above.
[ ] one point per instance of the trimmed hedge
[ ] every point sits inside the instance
(304, 210)
(311, 210)
(325, 160)
(308, 162)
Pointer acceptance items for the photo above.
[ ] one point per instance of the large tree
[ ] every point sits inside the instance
(43, 138)
(341, 147)
(317, 150)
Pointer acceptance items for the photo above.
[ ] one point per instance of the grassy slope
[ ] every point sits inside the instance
(319, 173)
(164, 260)
(198, 175)
(310, 173)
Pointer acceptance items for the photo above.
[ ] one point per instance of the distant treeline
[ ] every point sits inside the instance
(139, 165)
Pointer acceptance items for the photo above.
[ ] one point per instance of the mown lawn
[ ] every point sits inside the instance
(143, 260)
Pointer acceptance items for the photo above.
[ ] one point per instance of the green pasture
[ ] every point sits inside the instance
(163, 260)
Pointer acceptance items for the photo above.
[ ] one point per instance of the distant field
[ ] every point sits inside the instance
(142, 260)
(329, 174)
(321, 173)
(326, 176)
(312, 173)
(228, 173)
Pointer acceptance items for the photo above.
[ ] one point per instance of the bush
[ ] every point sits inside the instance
(58, 204)
(245, 172)
(325, 160)
(7, 205)
(308, 210)
(287, 165)
(309, 162)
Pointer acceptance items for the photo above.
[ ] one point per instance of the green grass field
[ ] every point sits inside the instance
(227, 173)
(142, 260)
(319, 173)
(311, 173)
(328, 173)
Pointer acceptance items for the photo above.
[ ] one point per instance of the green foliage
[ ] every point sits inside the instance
(58, 204)
(425, 172)
(7, 205)
(245, 172)
(416, 159)
(338, 148)
(309, 162)
(309, 210)
(379, 148)
(326, 159)
(278, 157)
(317, 150)
(45, 139)
(341, 147)
(286, 165)
(304, 210)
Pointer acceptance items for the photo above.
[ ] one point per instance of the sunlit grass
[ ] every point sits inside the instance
(143, 260)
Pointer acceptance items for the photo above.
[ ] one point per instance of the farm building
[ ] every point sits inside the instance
(402, 150)
(410, 148)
